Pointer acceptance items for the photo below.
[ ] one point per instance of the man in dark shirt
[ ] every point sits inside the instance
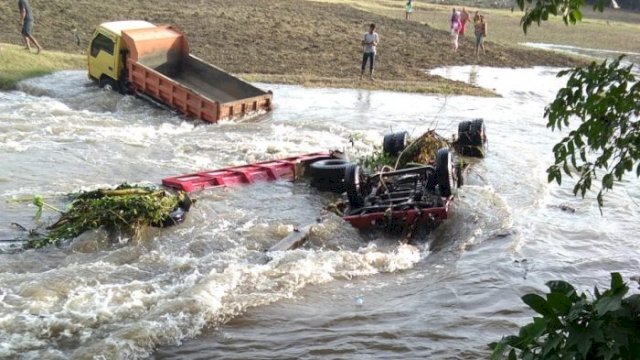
(26, 20)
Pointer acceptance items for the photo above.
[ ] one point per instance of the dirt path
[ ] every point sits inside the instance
(297, 41)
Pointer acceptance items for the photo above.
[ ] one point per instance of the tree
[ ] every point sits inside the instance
(604, 97)
(569, 9)
(572, 326)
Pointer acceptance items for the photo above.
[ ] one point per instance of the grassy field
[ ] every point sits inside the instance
(436, 84)
(611, 29)
(316, 43)
(17, 64)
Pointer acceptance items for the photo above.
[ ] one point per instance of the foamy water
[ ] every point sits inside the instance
(206, 289)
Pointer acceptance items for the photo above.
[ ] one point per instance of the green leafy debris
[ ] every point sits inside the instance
(421, 150)
(125, 208)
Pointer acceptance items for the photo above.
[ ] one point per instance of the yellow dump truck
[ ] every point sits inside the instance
(154, 62)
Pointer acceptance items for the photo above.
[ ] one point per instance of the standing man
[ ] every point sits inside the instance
(26, 20)
(370, 40)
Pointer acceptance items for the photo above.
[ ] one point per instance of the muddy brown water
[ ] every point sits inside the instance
(205, 289)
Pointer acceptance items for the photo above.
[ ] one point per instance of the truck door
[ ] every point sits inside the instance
(101, 57)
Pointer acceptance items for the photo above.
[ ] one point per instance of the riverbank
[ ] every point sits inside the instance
(310, 43)
(17, 64)
(611, 29)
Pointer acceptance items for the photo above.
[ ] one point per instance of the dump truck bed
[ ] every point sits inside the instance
(214, 82)
(160, 66)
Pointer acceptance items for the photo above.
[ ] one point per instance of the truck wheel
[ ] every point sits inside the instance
(177, 216)
(394, 143)
(463, 132)
(444, 172)
(477, 133)
(108, 83)
(354, 183)
(459, 175)
(328, 174)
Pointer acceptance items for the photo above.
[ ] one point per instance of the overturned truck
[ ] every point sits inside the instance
(414, 185)
(412, 182)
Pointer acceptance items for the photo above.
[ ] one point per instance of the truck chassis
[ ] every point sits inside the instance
(417, 194)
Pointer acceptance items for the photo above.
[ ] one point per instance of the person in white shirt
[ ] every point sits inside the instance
(370, 40)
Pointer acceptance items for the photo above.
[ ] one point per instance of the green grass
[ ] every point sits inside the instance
(610, 29)
(17, 64)
(434, 85)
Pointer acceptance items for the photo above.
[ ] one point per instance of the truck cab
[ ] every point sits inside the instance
(105, 57)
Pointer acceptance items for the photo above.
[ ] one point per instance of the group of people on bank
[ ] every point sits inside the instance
(459, 20)
(458, 23)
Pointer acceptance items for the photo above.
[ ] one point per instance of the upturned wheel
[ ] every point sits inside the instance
(355, 186)
(394, 143)
(477, 133)
(328, 174)
(444, 172)
(463, 132)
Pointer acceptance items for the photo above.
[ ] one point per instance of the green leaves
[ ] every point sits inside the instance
(540, 305)
(125, 208)
(539, 10)
(38, 201)
(604, 98)
(573, 327)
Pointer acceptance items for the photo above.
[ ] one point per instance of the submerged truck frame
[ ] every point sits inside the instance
(416, 194)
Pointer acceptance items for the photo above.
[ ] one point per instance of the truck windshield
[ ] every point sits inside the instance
(101, 42)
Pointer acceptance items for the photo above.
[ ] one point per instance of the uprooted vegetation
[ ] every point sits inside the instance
(421, 150)
(126, 209)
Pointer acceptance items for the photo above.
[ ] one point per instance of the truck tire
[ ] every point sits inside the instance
(459, 175)
(388, 143)
(354, 183)
(477, 133)
(108, 83)
(394, 143)
(432, 181)
(463, 132)
(177, 216)
(328, 174)
(444, 172)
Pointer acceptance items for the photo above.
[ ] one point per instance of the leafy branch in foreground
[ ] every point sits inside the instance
(568, 9)
(574, 327)
(606, 99)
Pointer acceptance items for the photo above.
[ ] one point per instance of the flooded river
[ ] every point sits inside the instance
(205, 289)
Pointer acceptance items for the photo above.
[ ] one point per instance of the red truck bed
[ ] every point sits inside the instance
(285, 169)
(290, 169)
(159, 66)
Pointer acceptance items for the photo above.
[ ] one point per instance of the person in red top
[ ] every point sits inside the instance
(464, 17)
